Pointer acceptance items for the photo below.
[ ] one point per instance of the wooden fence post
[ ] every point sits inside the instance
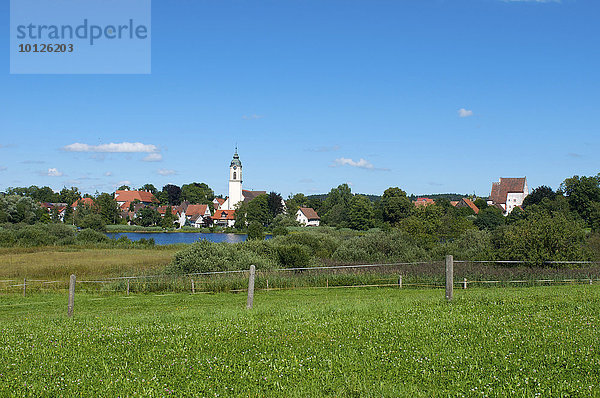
(400, 282)
(24, 286)
(71, 296)
(250, 301)
(128, 286)
(449, 277)
(267, 284)
(193, 287)
(465, 283)
(327, 283)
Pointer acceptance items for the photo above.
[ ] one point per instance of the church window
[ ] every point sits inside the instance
(234, 175)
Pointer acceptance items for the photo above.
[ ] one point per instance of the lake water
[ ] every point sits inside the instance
(161, 238)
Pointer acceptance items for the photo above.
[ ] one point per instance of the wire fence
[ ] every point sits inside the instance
(421, 274)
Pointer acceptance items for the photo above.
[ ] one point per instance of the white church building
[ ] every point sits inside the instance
(236, 193)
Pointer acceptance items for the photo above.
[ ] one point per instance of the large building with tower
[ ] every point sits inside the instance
(236, 193)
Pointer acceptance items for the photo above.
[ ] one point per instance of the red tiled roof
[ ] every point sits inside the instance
(454, 202)
(423, 202)
(83, 201)
(468, 203)
(221, 201)
(501, 189)
(224, 215)
(193, 210)
(163, 210)
(130, 196)
(310, 213)
(125, 206)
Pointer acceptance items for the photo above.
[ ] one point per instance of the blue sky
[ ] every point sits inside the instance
(429, 95)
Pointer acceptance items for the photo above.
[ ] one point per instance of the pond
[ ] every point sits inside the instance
(161, 238)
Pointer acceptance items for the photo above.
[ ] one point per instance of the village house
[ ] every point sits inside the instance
(82, 202)
(423, 202)
(466, 202)
(58, 207)
(308, 217)
(508, 193)
(124, 198)
(198, 215)
(224, 218)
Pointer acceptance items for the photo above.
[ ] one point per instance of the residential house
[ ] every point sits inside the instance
(125, 198)
(198, 215)
(423, 202)
(218, 202)
(308, 217)
(508, 193)
(82, 202)
(466, 202)
(225, 218)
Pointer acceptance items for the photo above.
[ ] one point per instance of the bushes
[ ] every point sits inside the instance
(380, 247)
(255, 231)
(89, 236)
(34, 235)
(293, 256)
(542, 238)
(205, 256)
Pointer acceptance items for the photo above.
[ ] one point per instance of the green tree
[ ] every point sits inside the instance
(255, 231)
(69, 195)
(173, 194)
(360, 213)
(124, 188)
(20, 209)
(147, 217)
(480, 203)
(275, 204)
(92, 221)
(196, 192)
(149, 188)
(335, 206)
(108, 208)
(538, 195)
(168, 219)
(582, 193)
(258, 210)
(395, 205)
(293, 203)
(489, 218)
(541, 238)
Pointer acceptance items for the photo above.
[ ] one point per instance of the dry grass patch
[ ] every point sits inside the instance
(59, 263)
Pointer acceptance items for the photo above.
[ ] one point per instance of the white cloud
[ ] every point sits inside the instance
(153, 157)
(108, 174)
(361, 163)
(166, 172)
(53, 172)
(252, 117)
(122, 147)
(462, 112)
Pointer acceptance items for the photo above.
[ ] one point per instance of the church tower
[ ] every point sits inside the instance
(235, 182)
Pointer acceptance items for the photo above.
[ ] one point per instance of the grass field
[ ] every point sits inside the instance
(537, 341)
(59, 262)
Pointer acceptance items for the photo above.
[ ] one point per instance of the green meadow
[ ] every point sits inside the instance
(535, 341)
